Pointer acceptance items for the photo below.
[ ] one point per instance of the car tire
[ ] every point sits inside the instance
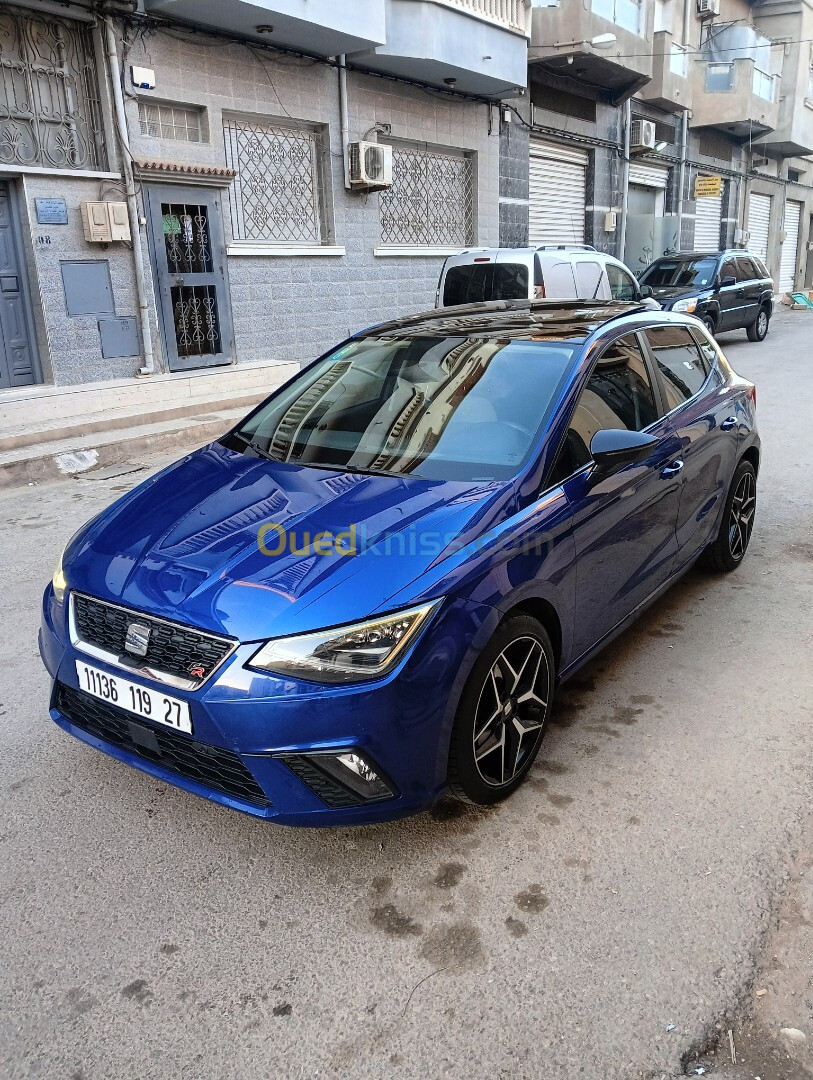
(727, 550)
(709, 324)
(503, 713)
(758, 330)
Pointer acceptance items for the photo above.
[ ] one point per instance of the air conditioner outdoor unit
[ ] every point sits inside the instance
(370, 165)
(707, 8)
(642, 135)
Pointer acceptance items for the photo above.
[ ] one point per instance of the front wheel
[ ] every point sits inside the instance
(758, 330)
(502, 714)
(727, 550)
(709, 324)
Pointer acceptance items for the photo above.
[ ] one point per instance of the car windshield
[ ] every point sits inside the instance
(680, 272)
(475, 282)
(441, 408)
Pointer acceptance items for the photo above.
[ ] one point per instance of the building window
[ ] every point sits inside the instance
(49, 98)
(810, 86)
(277, 196)
(431, 201)
(624, 13)
(170, 121)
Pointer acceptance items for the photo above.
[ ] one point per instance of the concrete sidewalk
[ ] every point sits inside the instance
(47, 432)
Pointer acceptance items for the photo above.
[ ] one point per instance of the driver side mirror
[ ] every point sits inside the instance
(646, 292)
(728, 280)
(613, 448)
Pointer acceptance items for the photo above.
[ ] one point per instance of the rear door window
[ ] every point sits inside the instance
(559, 282)
(681, 368)
(746, 271)
(588, 280)
(474, 283)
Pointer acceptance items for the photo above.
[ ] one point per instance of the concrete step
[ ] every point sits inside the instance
(64, 458)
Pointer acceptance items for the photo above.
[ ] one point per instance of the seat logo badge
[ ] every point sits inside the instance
(137, 640)
(197, 671)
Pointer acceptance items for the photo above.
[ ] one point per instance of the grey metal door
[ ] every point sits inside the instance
(186, 241)
(18, 359)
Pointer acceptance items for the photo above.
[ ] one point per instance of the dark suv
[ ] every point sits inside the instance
(728, 290)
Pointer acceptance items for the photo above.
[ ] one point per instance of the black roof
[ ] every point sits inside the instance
(508, 319)
(707, 254)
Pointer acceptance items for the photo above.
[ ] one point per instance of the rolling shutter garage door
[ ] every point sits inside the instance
(708, 211)
(558, 181)
(787, 265)
(652, 176)
(759, 220)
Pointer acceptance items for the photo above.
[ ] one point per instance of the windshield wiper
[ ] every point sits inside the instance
(250, 444)
(346, 468)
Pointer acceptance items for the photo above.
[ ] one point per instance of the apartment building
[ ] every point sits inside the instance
(716, 97)
(241, 129)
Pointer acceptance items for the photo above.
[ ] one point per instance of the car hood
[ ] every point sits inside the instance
(184, 545)
(674, 292)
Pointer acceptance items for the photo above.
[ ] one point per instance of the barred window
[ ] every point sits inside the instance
(431, 201)
(49, 93)
(277, 196)
(170, 121)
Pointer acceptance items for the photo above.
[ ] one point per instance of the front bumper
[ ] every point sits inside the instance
(262, 743)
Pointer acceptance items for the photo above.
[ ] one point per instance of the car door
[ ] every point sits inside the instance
(730, 297)
(623, 285)
(702, 415)
(624, 525)
(751, 286)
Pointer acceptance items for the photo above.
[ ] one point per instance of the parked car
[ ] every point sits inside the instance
(548, 272)
(727, 290)
(367, 591)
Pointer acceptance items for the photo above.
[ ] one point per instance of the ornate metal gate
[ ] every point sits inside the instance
(190, 262)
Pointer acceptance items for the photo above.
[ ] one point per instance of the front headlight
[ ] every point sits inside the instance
(687, 306)
(364, 650)
(58, 580)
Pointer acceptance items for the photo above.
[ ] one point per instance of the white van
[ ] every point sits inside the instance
(549, 272)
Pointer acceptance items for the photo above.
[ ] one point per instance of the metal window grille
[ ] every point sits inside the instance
(431, 200)
(170, 122)
(276, 196)
(49, 97)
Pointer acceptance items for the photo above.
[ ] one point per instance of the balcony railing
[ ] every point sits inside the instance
(678, 61)
(512, 14)
(764, 85)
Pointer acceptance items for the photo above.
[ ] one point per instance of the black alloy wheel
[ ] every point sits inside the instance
(728, 549)
(503, 712)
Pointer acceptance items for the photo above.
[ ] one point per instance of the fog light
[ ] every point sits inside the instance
(355, 772)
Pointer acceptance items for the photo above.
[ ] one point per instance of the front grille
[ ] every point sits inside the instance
(211, 766)
(330, 791)
(175, 649)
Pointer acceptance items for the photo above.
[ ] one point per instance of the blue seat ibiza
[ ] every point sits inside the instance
(367, 591)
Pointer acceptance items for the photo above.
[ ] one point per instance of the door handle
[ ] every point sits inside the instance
(672, 469)
(728, 424)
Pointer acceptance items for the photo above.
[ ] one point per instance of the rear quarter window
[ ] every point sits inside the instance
(681, 369)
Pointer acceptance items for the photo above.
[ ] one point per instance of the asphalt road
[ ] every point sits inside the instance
(625, 889)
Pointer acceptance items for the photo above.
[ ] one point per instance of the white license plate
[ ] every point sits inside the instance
(134, 698)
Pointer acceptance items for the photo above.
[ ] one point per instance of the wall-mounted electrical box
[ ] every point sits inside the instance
(610, 221)
(104, 222)
(143, 78)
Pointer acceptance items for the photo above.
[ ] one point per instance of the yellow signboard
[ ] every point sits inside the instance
(707, 186)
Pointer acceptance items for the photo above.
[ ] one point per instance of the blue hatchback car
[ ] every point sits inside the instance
(367, 592)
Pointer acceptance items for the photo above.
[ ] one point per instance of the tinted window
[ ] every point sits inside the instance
(708, 354)
(476, 282)
(746, 271)
(680, 272)
(728, 269)
(679, 363)
(622, 286)
(618, 395)
(760, 265)
(443, 408)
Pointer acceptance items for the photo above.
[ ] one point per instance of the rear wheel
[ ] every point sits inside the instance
(502, 714)
(758, 330)
(727, 551)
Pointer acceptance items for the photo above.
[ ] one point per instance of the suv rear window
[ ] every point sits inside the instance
(474, 283)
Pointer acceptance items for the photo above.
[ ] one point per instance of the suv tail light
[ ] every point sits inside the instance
(539, 292)
(752, 393)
